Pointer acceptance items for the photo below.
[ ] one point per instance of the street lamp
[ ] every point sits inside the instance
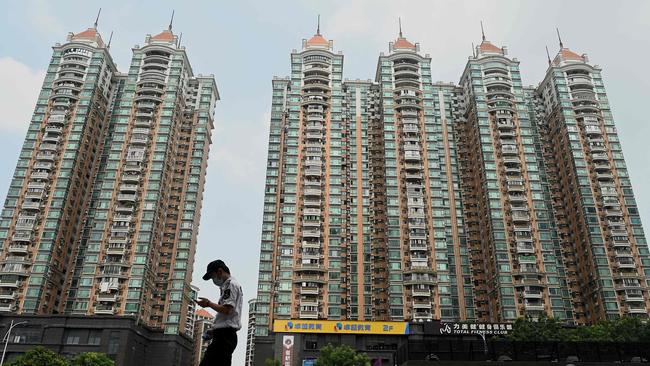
(6, 339)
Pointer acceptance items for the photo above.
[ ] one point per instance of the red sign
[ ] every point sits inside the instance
(287, 350)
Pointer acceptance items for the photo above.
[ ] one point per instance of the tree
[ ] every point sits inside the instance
(625, 329)
(343, 355)
(271, 362)
(39, 356)
(92, 359)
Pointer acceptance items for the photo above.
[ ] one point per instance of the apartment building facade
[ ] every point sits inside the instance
(404, 199)
(604, 245)
(103, 210)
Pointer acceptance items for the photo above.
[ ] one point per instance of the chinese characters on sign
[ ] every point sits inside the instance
(342, 326)
(287, 350)
(474, 328)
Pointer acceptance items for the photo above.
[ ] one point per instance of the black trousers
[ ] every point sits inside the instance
(219, 352)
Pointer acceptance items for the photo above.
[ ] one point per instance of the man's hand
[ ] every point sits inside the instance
(203, 302)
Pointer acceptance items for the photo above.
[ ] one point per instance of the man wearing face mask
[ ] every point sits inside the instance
(228, 319)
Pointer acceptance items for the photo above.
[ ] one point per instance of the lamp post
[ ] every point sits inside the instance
(6, 339)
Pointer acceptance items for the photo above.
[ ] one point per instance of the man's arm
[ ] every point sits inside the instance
(223, 309)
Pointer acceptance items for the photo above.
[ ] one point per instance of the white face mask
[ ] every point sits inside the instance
(217, 281)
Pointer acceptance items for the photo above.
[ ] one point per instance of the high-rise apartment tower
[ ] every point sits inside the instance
(103, 210)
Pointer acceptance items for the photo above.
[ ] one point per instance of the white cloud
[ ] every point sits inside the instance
(18, 94)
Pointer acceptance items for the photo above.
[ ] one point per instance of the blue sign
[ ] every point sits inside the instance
(309, 362)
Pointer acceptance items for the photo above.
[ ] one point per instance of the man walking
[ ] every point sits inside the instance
(228, 319)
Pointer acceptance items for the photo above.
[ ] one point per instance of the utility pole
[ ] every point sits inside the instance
(6, 339)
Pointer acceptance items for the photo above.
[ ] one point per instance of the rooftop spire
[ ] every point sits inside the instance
(171, 21)
(559, 38)
(97, 19)
(318, 25)
(548, 56)
(399, 19)
(109, 40)
(482, 31)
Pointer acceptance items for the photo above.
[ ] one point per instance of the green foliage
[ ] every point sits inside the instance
(91, 359)
(626, 329)
(343, 355)
(39, 356)
(272, 362)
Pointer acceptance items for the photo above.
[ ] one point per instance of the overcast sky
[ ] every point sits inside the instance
(244, 43)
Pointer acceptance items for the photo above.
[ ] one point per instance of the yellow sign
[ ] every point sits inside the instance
(340, 327)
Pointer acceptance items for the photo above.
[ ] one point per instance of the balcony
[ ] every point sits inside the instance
(45, 156)
(525, 248)
(311, 234)
(520, 217)
(534, 305)
(517, 197)
(18, 248)
(421, 315)
(22, 236)
(604, 176)
(420, 292)
(308, 314)
(9, 284)
(61, 103)
(580, 81)
(309, 290)
(613, 213)
(600, 157)
(307, 267)
(26, 222)
(597, 147)
(412, 155)
(312, 192)
(51, 138)
(532, 294)
(633, 295)
(129, 188)
(413, 176)
(104, 310)
(411, 128)
(43, 166)
(625, 262)
(636, 310)
(17, 268)
(422, 304)
(127, 197)
(313, 172)
(131, 177)
(124, 209)
(509, 150)
(118, 240)
(31, 205)
(7, 296)
(39, 175)
(106, 298)
(6, 308)
(503, 125)
(139, 140)
(120, 228)
(512, 170)
(56, 118)
(116, 250)
(146, 105)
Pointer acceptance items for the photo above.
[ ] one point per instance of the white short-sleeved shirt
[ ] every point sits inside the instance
(231, 294)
